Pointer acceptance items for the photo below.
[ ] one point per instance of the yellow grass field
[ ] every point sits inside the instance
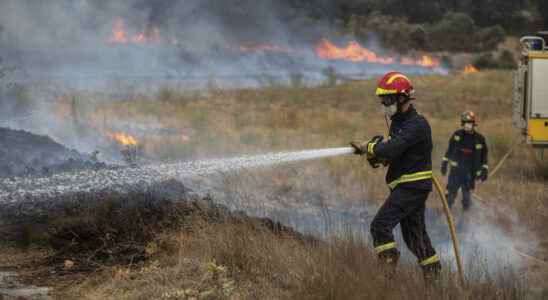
(233, 260)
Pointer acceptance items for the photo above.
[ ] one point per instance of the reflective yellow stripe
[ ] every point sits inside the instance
(410, 177)
(385, 247)
(457, 138)
(445, 158)
(479, 146)
(370, 148)
(485, 167)
(430, 260)
(478, 173)
(396, 76)
(381, 92)
(453, 163)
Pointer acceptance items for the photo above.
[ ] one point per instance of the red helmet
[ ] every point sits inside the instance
(395, 83)
(468, 117)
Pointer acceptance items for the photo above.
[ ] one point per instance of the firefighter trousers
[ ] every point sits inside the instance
(404, 206)
(459, 180)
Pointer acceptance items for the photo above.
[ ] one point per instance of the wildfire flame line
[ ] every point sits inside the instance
(324, 49)
(150, 35)
(354, 52)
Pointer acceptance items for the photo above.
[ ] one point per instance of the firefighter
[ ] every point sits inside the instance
(408, 153)
(467, 157)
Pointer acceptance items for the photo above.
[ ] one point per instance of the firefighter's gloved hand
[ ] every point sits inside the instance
(484, 173)
(373, 161)
(371, 144)
(444, 167)
(360, 148)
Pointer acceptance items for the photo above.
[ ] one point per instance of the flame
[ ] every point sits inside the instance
(353, 52)
(470, 69)
(151, 35)
(356, 53)
(123, 138)
(428, 62)
(424, 61)
(118, 32)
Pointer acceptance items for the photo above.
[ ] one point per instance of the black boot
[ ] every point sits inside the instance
(389, 259)
(431, 273)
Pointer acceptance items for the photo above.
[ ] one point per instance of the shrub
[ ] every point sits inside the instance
(488, 38)
(485, 61)
(507, 60)
(454, 32)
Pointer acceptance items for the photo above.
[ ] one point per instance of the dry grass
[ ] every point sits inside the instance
(240, 261)
(234, 261)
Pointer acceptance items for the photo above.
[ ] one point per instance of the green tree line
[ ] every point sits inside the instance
(434, 25)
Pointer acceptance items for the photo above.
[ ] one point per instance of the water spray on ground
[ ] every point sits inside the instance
(15, 189)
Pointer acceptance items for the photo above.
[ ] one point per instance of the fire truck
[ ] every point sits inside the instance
(530, 105)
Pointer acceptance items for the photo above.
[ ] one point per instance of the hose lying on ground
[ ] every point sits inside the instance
(451, 228)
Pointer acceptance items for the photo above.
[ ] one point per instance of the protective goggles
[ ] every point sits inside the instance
(389, 100)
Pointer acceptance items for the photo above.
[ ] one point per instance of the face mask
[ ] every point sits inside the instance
(390, 110)
(468, 127)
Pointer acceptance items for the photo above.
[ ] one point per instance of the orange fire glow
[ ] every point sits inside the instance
(470, 69)
(118, 32)
(151, 35)
(123, 138)
(354, 52)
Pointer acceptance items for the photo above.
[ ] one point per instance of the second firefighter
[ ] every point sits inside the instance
(467, 157)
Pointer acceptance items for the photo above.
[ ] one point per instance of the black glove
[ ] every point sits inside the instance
(373, 161)
(376, 139)
(484, 174)
(360, 148)
(444, 167)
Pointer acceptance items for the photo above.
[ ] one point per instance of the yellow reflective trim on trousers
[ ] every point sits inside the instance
(453, 163)
(381, 91)
(479, 146)
(485, 166)
(445, 159)
(430, 260)
(410, 177)
(385, 247)
(457, 138)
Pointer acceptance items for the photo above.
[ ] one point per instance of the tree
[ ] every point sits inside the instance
(543, 10)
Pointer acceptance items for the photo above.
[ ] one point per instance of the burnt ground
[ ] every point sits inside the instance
(25, 153)
(58, 249)
(56, 242)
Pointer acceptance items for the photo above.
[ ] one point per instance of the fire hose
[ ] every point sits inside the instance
(452, 229)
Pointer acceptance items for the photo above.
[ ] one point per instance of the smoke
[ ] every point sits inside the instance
(68, 38)
(191, 40)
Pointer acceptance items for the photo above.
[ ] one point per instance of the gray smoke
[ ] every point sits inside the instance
(69, 41)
